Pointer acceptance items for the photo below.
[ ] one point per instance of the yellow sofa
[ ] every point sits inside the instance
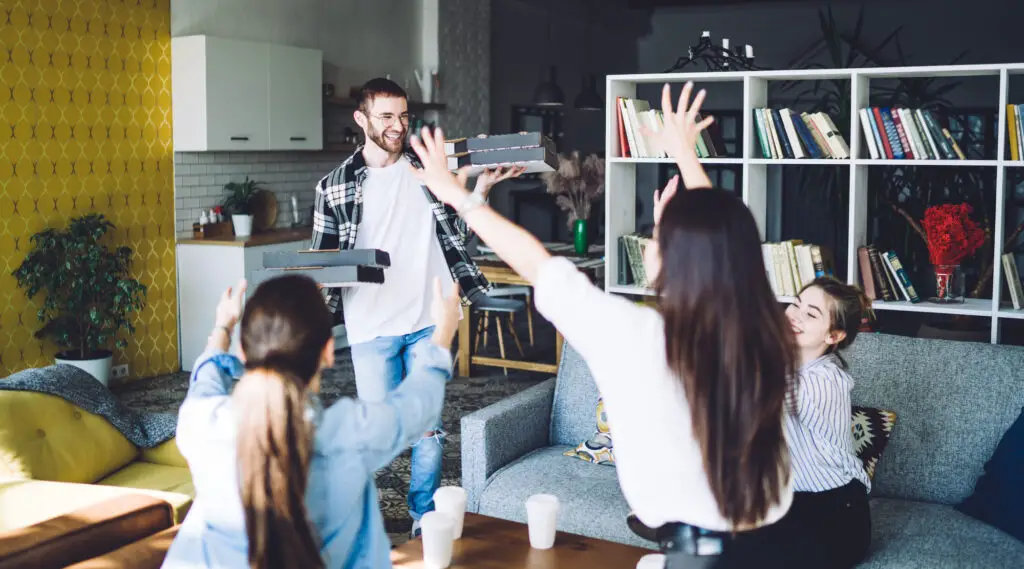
(56, 458)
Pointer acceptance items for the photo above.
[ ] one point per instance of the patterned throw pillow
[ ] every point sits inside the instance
(871, 431)
(598, 448)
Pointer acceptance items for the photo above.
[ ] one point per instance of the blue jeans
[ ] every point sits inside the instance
(380, 365)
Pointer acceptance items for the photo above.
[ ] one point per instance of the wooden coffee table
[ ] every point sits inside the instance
(490, 543)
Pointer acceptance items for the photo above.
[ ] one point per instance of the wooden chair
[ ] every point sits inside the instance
(496, 308)
(505, 291)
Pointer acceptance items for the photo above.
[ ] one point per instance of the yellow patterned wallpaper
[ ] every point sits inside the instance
(85, 125)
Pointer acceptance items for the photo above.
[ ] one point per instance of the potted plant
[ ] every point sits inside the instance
(90, 295)
(577, 184)
(239, 204)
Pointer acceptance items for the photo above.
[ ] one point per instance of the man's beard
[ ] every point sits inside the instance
(392, 146)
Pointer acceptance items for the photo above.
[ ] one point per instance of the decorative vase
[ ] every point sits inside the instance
(99, 367)
(242, 225)
(949, 285)
(579, 237)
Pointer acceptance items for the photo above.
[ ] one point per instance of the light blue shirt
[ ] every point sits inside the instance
(353, 440)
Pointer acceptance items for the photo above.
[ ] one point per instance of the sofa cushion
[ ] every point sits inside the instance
(576, 395)
(998, 498)
(172, 483)
(871, 431)
(591, 502)
(27, 502)
(918, 535)
(44, 437)
(598, 448)
(954, 401)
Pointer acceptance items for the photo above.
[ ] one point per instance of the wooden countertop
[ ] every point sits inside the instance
(272, 237)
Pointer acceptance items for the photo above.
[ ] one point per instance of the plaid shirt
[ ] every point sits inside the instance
(338, 211)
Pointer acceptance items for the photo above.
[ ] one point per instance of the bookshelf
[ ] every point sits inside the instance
(620, 173)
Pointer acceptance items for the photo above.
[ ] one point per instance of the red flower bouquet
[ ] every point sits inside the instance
(952, 235)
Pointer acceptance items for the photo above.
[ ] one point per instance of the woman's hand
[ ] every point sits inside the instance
(446, 312)
(661, 198)
(229, 309)
(447, 187)
(488, 178)
(679, 137)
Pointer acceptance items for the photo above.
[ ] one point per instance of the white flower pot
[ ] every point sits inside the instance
(242, 225)
(98, 368)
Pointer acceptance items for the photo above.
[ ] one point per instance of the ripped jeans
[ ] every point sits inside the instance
(380, 365)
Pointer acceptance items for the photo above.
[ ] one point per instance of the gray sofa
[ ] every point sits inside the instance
(953, 402)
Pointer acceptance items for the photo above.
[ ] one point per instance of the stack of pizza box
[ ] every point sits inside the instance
(329, 268)
(531, 150)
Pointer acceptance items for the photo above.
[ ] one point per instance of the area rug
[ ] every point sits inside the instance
(463, 396)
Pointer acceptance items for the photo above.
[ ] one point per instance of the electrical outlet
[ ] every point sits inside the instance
(119, 372)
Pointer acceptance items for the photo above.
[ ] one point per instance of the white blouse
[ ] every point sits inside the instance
(821, 435)
(658, 461)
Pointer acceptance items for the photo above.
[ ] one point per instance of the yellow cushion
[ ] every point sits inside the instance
(166, 453)
(44, 437)
(171, 483)
(27, 502)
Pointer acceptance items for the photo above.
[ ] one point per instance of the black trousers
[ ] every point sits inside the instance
(822, 530)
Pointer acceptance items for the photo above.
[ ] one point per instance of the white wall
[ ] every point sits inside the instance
(361, 39)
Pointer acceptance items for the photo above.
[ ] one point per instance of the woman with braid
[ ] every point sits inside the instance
(279, 481)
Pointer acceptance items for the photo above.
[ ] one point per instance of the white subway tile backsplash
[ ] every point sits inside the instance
(200, 178)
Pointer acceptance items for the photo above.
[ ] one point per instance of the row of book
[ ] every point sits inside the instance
(1016, 129)
(631, 248)
(634, 115)
(913, 134)
(785, 134)
(883, 276)
(792, 265)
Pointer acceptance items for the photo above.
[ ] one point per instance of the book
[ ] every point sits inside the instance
(325, 258)
(330, 277)
(1013, 281)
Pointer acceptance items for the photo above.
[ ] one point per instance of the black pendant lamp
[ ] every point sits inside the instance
(548, 93)
(589, 99)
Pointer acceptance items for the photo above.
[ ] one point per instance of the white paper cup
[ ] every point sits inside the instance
(651, 561)
(436, 533)
(451, 501)
(542, 518)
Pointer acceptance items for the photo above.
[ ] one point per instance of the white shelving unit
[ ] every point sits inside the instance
(620, 173)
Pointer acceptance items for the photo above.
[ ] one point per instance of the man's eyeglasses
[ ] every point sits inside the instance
(388, 119)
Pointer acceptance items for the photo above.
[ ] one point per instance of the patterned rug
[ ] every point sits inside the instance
(463, 396)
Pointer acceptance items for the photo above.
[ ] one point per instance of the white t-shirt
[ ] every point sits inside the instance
(396, 218)
(657, 459)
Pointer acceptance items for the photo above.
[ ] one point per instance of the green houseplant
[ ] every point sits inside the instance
(89, 293)
(239, 203)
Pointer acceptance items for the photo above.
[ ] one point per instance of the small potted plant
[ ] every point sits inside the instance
(239, 204)
(90, 295)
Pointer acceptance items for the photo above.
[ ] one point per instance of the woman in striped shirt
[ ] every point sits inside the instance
(830, 501)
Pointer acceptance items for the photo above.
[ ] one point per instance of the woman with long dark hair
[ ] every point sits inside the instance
(696, 388)
(279, 481)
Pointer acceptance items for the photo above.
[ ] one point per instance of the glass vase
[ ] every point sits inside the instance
(579, 237)
(949, 285)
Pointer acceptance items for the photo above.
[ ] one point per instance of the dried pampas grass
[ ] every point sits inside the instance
(576, 183)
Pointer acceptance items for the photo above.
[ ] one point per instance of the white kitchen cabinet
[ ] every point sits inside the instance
(240, 95)
(205, 270)
(296, 100)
